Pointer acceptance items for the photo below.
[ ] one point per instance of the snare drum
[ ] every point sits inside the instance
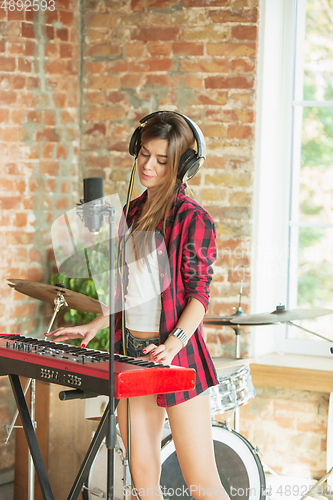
(234, 390)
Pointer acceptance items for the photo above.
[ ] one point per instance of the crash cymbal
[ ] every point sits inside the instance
(218, 321)
(280, 315)
(47, 293)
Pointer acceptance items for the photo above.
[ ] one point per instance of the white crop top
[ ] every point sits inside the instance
(143, 299)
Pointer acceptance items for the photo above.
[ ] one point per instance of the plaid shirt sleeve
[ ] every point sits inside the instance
(199, 254)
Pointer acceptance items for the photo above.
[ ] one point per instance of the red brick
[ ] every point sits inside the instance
(135, 49)
(104, 50)
(20, 219)
(138, 5)
(217, 82)
(49, 30)
(4, 115)
(9, 135)
(152, 65)
(240, 132)
(66, 18)
(95, 67)
(206, 3)
(2, 46)
(7, 64)
(116, 97)
(48, 134)
(103, 20)
(29, 48)
(62, 34)
(15, 15)
(10, 202)
(234, 16)
(103, 82)
(29, 16)
(18, 82)
(227, 49)
(245, 32)
(16, 48)
(153, 34)
(158, 81)
(188, 48)
(18, 116)
(28, 30)
(51, 15)
(241, 66)
(60, 4)
(23, 65)
(159, 49)
(51, 49)
(66, 50)
(130, 81)
(207, 65)
(58, 67)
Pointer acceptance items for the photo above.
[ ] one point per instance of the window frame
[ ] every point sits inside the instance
(278, 76)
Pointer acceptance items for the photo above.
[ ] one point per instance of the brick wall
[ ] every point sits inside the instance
(197, 57)
(39, 139)
(290, 428)
(72, 89)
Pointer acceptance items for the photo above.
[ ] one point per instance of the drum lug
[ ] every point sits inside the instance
(258, 451)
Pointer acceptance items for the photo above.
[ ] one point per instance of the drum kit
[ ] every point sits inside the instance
(241, 470)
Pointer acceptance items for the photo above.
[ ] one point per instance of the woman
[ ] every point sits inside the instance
(168, 328)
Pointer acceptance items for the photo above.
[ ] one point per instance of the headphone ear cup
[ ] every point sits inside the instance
(188, 165)
(134, 145)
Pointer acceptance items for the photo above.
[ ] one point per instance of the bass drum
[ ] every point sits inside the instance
(239, 466)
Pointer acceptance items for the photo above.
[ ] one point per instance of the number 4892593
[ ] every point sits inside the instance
(27, 5)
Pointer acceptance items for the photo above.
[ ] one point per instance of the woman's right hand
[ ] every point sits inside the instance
(84, 332)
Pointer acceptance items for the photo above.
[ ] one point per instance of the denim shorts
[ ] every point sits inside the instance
(135, 346)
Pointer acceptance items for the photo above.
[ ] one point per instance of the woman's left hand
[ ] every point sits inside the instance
(164, 353)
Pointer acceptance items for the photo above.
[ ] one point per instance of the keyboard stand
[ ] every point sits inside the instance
(31, 437)
(32, 441)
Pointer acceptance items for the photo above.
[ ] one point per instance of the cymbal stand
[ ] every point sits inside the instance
(59, 301)
(237, 331)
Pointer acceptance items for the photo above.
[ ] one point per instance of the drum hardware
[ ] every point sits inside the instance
(312, 492)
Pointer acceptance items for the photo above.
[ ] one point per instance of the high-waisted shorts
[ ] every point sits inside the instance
(134, 348)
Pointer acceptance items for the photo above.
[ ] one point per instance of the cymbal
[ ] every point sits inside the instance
(280, 315)
(47, 293)
(218, 321)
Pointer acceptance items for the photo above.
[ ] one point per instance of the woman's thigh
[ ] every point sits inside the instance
(191, 429)
(147, 420)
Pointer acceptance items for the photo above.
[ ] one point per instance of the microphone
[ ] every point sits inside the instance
(93, 204)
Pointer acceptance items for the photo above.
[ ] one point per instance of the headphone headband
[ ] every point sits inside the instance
(190, 161)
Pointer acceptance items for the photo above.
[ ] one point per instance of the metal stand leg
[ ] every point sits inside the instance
(91, 453)
(237, 355)
(31, 437)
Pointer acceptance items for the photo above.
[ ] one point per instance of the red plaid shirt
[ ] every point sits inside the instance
(190, 243)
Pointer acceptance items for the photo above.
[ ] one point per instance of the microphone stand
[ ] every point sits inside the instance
(111, 435)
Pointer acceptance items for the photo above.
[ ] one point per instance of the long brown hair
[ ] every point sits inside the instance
(173, 128)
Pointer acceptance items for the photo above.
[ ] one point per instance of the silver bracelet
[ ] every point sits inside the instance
(179, 334)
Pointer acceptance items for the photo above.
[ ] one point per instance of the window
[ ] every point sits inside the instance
(293, 239)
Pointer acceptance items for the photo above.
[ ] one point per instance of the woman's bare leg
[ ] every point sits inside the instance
(147, 420)
(191, 429)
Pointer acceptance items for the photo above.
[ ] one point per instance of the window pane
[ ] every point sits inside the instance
(316, 173)
(318, 51)
(315, 278)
